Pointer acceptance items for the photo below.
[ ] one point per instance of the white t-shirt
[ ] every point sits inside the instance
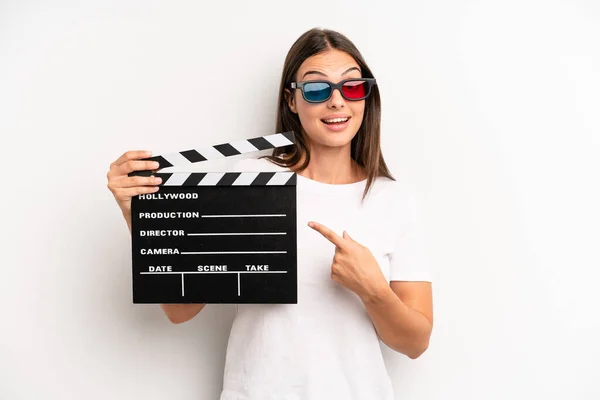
(325, 347)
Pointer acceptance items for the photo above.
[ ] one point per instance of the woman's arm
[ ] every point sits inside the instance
(402, 314)
(401, 311)
(178, 313)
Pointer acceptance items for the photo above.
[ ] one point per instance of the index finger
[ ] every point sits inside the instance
(132, 155)
(328, 233)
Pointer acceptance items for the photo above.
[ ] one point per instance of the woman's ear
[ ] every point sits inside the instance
(290, 100)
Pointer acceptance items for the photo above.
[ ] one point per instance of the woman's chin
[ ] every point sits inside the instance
(334, 140)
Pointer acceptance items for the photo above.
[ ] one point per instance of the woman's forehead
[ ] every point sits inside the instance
(333, 63)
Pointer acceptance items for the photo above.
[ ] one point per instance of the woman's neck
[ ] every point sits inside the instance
(333, 166)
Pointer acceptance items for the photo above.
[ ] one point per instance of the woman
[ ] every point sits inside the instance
(362, 272)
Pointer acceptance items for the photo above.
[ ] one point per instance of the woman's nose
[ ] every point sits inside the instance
(336, 99)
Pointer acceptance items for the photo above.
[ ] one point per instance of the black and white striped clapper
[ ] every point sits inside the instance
(216, 237)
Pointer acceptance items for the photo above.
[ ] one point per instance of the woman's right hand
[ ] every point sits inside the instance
(124, 187)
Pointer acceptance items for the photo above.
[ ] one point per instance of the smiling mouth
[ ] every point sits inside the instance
(335, 121)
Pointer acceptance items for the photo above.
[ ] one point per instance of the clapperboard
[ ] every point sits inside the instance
(216, 237)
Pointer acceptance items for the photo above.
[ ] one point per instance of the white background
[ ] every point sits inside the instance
(490, 108)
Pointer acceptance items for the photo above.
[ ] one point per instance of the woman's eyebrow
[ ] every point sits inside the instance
(351, 69)
(313, 72)
(322, 74)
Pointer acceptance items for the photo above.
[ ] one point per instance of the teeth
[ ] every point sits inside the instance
(329, 121)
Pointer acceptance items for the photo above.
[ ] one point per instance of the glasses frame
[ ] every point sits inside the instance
(370, 83)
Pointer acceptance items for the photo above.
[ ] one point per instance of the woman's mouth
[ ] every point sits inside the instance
(336, 124)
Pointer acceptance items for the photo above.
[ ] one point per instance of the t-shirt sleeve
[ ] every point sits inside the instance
(408, 260)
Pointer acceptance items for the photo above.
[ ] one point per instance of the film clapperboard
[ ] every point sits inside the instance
(216, 237)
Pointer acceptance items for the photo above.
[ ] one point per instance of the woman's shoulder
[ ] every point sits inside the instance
(394, 193)
(398, 186)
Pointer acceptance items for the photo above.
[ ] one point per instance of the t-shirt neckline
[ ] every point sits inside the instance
(321, 186)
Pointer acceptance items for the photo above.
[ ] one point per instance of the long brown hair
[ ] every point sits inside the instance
(365, 146)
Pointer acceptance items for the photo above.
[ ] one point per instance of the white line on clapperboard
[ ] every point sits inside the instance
(228, 252)
(243, 215)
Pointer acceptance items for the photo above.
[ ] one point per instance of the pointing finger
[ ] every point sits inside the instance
(327, 233)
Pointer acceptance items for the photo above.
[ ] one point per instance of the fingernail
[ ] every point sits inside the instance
(148, 153)
(157, 179)
(155, 164)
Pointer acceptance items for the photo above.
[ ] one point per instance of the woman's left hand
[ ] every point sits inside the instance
(353, 266)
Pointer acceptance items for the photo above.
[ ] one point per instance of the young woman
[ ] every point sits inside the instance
(363, 276)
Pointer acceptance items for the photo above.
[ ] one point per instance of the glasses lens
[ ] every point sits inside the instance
(317, 91)
(355, 89)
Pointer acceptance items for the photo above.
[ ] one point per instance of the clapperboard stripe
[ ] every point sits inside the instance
(226, 178)
(219, 151)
